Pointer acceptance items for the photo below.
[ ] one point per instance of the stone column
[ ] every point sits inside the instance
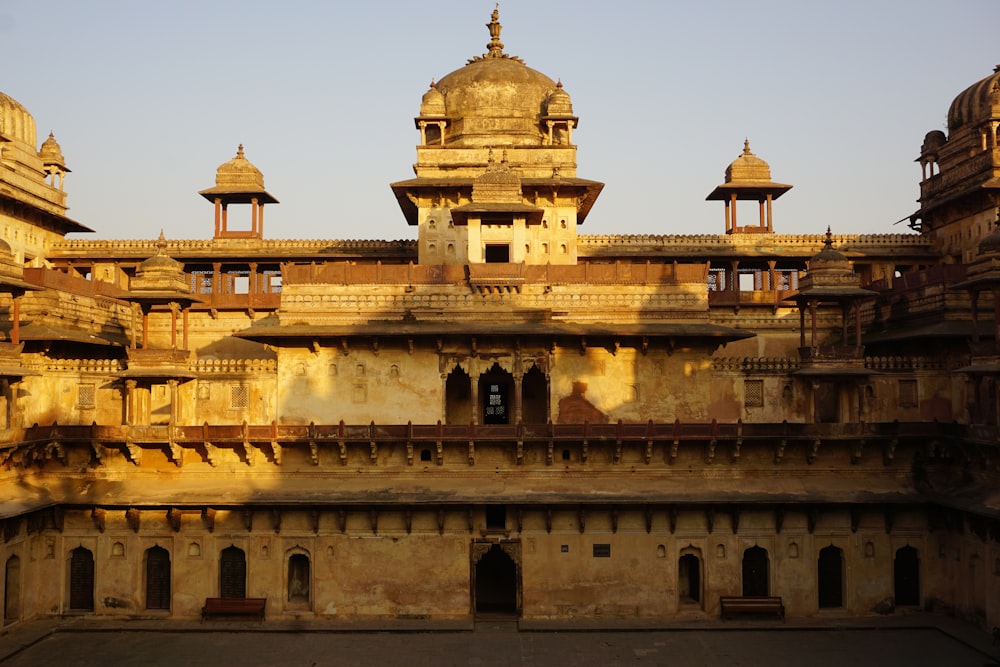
(130, 402)
(172, 383)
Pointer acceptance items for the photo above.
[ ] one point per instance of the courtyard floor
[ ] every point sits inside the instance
(913, 640)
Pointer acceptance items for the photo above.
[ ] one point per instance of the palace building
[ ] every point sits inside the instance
(506, 415)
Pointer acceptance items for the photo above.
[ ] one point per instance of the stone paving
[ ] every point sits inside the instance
(926, 641)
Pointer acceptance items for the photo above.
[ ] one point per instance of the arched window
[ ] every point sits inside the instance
(157, 578)
(232, 573)
(81, 580)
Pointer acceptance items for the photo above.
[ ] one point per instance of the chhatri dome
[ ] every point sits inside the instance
(493, 91)
(471, 209)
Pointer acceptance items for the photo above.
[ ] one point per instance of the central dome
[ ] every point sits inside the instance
(495, 99)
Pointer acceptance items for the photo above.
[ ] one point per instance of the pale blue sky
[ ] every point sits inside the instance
(148, 98)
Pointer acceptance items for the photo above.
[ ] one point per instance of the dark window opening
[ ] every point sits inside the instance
(906, 575)
(425, 455)
(831, 577)
(689, 579)
(497, 253)
(565, 455)
(602, 551)
(496, 517)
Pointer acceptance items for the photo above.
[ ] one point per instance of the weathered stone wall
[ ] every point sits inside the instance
(388, 572)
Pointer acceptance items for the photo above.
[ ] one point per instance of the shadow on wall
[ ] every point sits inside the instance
(576, 409)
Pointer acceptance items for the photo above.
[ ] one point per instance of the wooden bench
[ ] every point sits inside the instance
(752, 605)
(234, 607)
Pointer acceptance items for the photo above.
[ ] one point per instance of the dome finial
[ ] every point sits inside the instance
(828, 241)
(746, 146)
(239, 151)
(495, 47)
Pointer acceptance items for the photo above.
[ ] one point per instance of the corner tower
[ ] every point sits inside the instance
(496, 166)
(960, 185)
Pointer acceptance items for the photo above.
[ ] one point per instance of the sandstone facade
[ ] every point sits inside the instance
(505, 414)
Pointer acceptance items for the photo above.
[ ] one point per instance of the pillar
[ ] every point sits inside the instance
(218, 215)
(130, 402)
(172, 383)
(174, 307)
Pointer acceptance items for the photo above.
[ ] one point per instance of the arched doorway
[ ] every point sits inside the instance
(81, 580)
(496, 584)
(157, 578)
(906, 577)
(495, 396)
(232, 573)
(458, 397)
(534, 397)
(12, 590)
(756, 579)
(830, 573)
(689, 577)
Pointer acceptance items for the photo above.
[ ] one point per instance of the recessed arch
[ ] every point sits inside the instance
(906, 577)
(756, 572)
(830, 577)
(12, 590)
(496, 579)
(232, 573)
(689, 576)
(298, 583)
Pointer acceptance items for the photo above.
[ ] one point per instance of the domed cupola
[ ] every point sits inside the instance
(495, 99)
(559, 102)
(978, 103)
(559, 119)
(53, 161)
(160, 273)
(16, 124)
(432, 103)
(829, 261)
(238, 182)
(33, 175)
(990, 245)
(433, 120)
(748, 177)
(239, 175)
